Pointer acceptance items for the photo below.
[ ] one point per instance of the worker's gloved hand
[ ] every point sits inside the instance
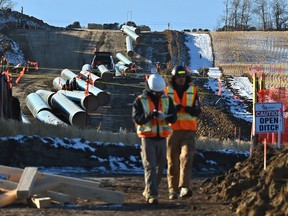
(155, 113)
(161, 116)
(189, 109)
(178, 107)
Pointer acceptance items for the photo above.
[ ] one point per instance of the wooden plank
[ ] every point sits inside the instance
(8, 198)
(60, 197)
(44, 185)
(26, 183)
(90, 193)
(8, 185)
(41, 202)
(12, 171)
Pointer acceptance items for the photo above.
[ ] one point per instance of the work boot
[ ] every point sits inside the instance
(152, 200)
(173, 196)
(185, 192)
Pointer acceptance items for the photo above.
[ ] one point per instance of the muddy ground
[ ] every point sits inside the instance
(246, 189)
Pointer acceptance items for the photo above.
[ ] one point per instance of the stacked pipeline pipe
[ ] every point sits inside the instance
(132, 32)
(103, 97)
(106, 75)
(125, 65)
(71, 111)
(88, 102)
(97, 81)
(41, 110)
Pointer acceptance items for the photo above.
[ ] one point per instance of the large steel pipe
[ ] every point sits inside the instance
(122, 68)
(88, 102)
(36, 103)
(132, 34)
(106, 75)
(104, 97)
(70, 110)
(97, 81)
(46, 96)
(123, 58)
(58, 82)
(129, 46)
(132, 28)
(49, 118)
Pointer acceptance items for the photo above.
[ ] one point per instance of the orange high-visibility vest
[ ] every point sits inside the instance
(184, 120)
(154, 126)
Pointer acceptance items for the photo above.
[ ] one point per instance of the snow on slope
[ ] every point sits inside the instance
(201, 56)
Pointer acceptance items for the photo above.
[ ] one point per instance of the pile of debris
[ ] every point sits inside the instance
(251, 189)
(42, 189)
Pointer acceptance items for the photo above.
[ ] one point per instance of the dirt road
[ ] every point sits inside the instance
(132, 186)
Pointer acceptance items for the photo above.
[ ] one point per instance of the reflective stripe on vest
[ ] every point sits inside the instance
(154, 126)
(184, 120)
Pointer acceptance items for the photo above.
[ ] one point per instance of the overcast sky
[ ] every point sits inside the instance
(181, 14)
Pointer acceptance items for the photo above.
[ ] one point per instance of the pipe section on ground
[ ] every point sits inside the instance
(129, 46)
(49, 118)
(106, 75)
(122, 68)
(132, 28)
(46, 96)
(70, 110)
(123, 58)
(104, 97)
(97, 81)
(58, 82)
(36, 103)
(132, 34)
(88, 102)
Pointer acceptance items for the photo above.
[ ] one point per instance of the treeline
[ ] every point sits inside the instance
(250, 15)
(110, 26)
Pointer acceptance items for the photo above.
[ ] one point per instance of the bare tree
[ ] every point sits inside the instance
(234, 15)
(261, 9)
(279, 13)
(245, 16)
(6, 4)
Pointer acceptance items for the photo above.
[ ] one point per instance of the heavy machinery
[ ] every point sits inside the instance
(103, 58)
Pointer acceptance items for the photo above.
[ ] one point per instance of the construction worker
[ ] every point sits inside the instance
(158, 67)
(74, 84)
(181, 146)
(152, 112)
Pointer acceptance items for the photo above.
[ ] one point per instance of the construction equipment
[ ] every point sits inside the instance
(103, 58)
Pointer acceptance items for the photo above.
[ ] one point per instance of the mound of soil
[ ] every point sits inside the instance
(250, 189)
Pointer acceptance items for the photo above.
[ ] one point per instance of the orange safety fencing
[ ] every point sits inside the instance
(275, 95)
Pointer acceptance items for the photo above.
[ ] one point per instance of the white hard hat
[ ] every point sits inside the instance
(87, 67)
(156, 83)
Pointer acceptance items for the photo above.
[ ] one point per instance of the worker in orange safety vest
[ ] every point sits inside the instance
(181, 144)
(152, 113)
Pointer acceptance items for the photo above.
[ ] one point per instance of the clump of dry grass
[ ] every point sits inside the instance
(205, 143)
